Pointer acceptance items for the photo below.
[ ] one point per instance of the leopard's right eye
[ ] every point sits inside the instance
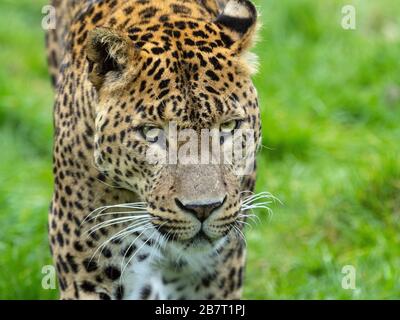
(151, 133)
(229, 126)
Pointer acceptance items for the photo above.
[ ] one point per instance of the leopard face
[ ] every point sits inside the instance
(157, 83)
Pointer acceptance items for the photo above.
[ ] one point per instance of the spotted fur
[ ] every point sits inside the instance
(120, 64)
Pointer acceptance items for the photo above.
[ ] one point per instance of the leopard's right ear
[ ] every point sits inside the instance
(239, 18)
(108, 52)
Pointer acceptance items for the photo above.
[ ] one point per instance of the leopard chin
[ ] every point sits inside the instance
(199, 244)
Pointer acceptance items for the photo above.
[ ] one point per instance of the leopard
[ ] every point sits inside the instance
(121, 226)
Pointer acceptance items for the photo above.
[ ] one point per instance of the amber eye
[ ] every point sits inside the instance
(229, 126)
(151, 133)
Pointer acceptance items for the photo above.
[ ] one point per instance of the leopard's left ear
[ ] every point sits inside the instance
(239, 19)
(109, 52)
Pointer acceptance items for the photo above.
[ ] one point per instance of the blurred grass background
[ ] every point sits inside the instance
(330, 101)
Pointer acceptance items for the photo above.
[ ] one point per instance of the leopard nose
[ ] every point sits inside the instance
(202, 210)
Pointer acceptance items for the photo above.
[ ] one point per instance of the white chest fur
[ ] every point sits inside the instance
(173, 272)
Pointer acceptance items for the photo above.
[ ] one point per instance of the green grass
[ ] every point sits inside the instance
(330, 102)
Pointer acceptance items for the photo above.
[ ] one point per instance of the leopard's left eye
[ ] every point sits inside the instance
(151, 133)
(229, 126)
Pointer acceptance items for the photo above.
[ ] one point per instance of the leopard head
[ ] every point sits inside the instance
(161, 86)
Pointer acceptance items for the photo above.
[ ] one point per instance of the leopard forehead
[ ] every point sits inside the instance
(184, 86)
(182, 40)
(192, 60)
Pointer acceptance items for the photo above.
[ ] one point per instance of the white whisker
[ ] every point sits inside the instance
(137, 250)
(134, 205)
(115, 221)
(131, 245)
(115, 213)
(240, 234)
(245, 223)
(253, 202)
(126, 231)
